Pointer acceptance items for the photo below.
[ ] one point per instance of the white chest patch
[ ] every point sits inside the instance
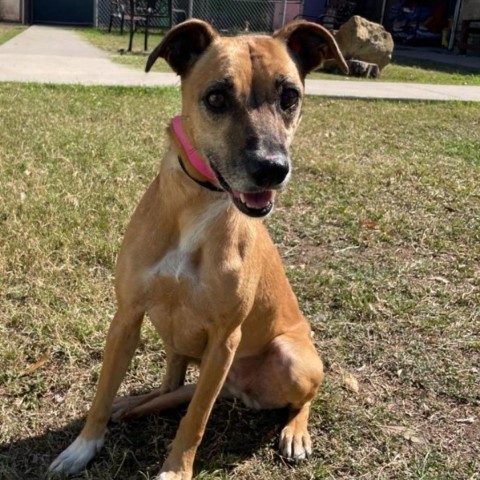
(177, 262)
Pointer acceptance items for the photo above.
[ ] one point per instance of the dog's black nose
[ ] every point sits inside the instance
(268, 171)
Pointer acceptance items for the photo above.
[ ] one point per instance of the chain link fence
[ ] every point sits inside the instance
(228, 16)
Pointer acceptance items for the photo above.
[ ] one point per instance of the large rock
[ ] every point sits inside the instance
(366, 41)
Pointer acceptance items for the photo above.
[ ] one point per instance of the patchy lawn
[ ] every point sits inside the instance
(380, 233)
(9, 30)
(401, 70)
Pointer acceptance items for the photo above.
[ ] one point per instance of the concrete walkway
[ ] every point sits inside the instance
(54, 55)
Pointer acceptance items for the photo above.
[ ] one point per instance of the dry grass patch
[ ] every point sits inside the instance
(380, 232)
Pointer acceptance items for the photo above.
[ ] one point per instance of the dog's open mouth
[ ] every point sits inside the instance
(254, 204)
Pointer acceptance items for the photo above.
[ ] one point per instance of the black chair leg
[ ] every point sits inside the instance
(132, 24)
(130, 41)
(145, 46)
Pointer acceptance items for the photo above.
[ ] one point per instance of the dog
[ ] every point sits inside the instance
(197, 257)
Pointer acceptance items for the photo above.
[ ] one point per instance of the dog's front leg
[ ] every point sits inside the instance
(216, 363)
(122, 339)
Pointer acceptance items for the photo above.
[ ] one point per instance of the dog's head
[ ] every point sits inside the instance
(242, 100)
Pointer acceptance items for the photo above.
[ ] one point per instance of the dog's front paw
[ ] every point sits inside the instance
(295, 443)
(174, 476)
(175, 471)
(76, 457)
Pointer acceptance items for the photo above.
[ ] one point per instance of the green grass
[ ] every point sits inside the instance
(423, 71)
(9, 30)
(401, 70)
(117, 45)
(380, 233)
(418, 71)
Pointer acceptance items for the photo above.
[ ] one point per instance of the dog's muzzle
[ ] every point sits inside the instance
(265, 176)
(269, 172)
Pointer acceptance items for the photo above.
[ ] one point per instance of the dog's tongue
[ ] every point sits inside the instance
(256, 199)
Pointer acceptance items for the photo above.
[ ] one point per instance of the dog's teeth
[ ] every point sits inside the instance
(242, 198)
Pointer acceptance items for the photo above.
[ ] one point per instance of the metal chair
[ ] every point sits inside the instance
(118, 9)
(147, 14)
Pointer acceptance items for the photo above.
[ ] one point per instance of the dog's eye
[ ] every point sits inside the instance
(289, 98)
(216, 101)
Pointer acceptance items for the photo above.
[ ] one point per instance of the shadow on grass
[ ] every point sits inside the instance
(136, 450)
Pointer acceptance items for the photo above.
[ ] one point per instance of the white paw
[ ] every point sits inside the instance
(168, 476)
(76, 457)
(163, 476)
(172, 475)
(295, 445)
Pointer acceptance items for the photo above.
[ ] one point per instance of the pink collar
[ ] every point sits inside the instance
(197, 162)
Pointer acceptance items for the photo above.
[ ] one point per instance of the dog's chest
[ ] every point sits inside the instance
(183, 261)
(179, 292)
(178, 264)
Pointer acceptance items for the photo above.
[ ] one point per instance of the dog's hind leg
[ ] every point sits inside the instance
(122, 340)
(295, 441)
(302, 371)
(157, 401)
(289, 374)
(125, 407)
(176, 370)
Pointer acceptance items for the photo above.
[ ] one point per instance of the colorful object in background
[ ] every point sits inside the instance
(419, 21)
(446, 32)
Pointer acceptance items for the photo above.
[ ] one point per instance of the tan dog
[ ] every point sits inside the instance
(195, 259)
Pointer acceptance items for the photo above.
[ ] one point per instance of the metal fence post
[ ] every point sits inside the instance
(284, 12)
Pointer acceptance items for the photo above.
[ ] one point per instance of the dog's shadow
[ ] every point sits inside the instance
(136, 450)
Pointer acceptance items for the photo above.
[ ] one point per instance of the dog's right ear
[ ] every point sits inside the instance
(182, 45)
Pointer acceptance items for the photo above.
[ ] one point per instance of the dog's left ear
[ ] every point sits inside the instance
(183, 44)
(311, 44)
